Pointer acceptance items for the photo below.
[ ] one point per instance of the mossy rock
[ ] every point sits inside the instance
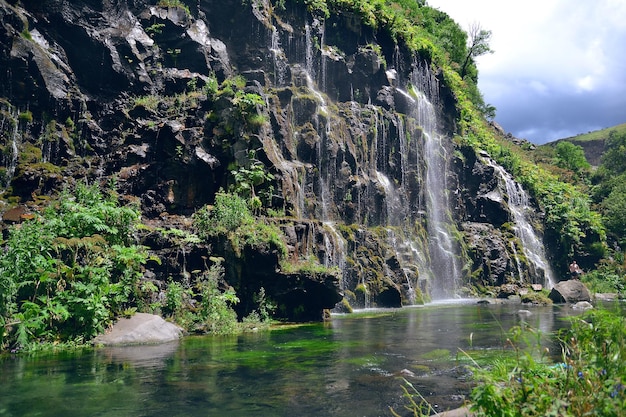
(536, 297)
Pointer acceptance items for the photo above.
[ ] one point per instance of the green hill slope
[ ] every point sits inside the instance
(592, 142)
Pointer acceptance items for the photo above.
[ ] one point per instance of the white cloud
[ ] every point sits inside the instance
(554, 53)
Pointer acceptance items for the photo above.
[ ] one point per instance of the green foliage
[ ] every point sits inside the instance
(175, 298)
(65, 274)
(215, 313)
(228, 213)
(418, 406)
(206, 305)
(310, 266)
(609, 275)
(247, 180)
(150, 102)
(262, 235)
(174, 3)
(25, 116)
(572, 157)
(155, 29)
(609, 190)
(614, 209)
(589, 380)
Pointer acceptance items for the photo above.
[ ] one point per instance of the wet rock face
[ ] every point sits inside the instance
(123, 89)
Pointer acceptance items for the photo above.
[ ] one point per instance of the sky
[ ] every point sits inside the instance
(558, 67)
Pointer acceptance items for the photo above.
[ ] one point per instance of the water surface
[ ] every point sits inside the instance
(351, 366)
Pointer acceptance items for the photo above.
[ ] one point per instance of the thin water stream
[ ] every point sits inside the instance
(351, 366)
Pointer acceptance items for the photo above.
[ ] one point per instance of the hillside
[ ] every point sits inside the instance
(592, 142)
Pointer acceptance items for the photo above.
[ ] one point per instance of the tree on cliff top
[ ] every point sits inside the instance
(477, 45)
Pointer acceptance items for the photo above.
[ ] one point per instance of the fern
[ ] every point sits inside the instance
(64, 275)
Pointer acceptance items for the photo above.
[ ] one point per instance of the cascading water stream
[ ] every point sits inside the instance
(403, 251)
(531, 244)
(393, 201)
(335, 250)
(12, 162)
(443, 249)
(278, 55)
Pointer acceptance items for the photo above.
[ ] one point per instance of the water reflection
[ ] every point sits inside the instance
(142, 356)
(352, 366)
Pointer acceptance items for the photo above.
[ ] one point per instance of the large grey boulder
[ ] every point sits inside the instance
(141, 328)
(571, 291)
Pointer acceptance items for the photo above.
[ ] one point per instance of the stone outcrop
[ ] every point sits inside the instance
(170, 101)
(141, 328)
(571, 291)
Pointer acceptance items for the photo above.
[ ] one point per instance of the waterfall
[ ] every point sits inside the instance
(444, 250)
(293, 173)
(12, 162)
(517, 261)
(393, 201)
(407, 255)
(531, 244)
(280, 61)
(335, 251)
(308, 64)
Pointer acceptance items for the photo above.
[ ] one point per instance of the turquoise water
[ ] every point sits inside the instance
(351, 366)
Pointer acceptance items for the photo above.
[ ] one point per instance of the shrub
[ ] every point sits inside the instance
(65, 274)
(589, 379)
(228, 213)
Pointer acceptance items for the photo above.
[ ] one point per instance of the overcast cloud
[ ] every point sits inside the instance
(559, 67)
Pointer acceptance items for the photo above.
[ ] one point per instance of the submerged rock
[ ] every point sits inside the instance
(582, 305)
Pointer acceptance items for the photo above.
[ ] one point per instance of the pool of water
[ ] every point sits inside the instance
(354, 365)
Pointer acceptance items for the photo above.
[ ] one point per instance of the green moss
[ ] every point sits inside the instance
(536, 297)
(309, 265)
(437, 355)
(175, 3)
(25, 116)
(346, 305)
(360, 290)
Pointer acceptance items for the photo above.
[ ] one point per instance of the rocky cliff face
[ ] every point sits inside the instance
(353, 133)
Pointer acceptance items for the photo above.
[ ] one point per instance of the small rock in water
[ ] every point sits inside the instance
(582, 305)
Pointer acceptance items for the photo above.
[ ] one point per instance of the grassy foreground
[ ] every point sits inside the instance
(588, 378)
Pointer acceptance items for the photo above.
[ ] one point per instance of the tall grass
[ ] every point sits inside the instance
(588, 380)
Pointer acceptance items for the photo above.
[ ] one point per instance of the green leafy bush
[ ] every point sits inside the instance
(65, 274)
(228, 213)
(589, 380)
(572, 157)
(206, 305)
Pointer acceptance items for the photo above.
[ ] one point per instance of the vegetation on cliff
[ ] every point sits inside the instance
(605, 187)
(572, 228)
(68, 271)
(426, 31)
